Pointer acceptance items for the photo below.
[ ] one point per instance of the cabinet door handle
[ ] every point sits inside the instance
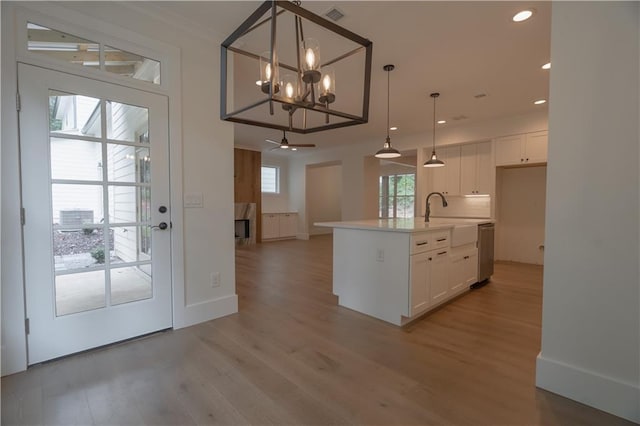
(441, 253)
(521, 160)
(430, 259)
(527, 159)
(422, 243)
(466, 257)
(441, 240)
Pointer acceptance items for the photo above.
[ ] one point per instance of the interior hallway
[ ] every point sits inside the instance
(292, 356)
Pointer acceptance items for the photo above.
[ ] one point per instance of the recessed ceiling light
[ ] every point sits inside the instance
(540, 101)
(393, 128)
(442, 121)
(546, 66)
(523, 15)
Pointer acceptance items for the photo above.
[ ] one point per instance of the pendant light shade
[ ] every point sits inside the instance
(434, 161)
(387, 150)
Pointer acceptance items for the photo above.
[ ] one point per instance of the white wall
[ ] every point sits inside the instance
(277, 203)
(520, 199)
(591, 316)
(201, 244)
(324, 196)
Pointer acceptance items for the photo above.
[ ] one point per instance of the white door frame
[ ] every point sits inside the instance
(14, 16)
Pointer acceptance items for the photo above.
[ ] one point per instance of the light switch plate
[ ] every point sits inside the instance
(193, 200)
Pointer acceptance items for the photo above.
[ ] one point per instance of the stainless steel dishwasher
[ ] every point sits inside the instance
(485, 252)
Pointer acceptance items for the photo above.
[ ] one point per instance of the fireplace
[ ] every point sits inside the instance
(245, 223)
(243, 230)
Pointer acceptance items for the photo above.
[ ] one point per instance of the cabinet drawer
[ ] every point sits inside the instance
(440, 239)
(420, 243)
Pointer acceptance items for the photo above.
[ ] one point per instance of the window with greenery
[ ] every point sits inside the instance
(270, 180)
(397, 196)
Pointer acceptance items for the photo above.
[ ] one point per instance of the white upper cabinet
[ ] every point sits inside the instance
(530, 148)
(475, 169)
(535, 148)
(447, 179)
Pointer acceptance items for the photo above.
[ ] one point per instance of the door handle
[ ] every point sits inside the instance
(162, 226)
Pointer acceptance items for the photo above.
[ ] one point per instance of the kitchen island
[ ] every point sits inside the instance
(398, 269)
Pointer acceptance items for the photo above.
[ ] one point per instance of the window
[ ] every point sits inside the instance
(73, 49)
(270, 180)
(397, 196)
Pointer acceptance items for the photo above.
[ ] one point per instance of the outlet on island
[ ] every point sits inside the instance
(379, 255)
(215, 279)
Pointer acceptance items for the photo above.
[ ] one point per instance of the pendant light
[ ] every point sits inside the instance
(434, 162)
(387, 151)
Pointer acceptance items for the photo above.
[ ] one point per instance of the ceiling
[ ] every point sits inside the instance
(460, 49)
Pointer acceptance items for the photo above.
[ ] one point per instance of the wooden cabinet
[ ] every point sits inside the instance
(447, 179)
(475, 169)
(529, 148)
(279, 225)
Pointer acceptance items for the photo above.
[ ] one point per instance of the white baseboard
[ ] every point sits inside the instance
(302, 236)
(598, 391)
(207, 310)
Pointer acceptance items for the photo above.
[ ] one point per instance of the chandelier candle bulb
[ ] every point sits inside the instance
(328, 89)
(268, 73)
(311, 65)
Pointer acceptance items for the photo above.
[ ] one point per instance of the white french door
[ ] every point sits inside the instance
(95, 189)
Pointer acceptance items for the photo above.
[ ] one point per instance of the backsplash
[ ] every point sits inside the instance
(478, 206)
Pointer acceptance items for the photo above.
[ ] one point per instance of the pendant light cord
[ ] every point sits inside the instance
(388, 91)
(434, 96)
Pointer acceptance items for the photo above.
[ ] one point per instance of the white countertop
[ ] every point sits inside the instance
(403, 225)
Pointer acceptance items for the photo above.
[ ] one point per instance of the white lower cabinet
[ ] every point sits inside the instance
(439, 290)
(440, 273)
(428, 276)
(464, 269)
(420, 280)
(279, 225)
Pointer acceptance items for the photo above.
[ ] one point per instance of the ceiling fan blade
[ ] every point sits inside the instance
(272, 141)
(303, 145)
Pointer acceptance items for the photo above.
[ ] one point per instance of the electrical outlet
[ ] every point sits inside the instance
(379, 255)
(215, 279)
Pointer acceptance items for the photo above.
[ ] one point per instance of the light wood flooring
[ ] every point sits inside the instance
(292, 356)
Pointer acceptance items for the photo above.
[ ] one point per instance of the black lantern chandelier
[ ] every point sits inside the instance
(295, 91)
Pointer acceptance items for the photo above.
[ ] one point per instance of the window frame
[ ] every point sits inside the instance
(385, 195)
(277, 179)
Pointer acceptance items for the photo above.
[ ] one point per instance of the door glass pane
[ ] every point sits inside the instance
(62, 46)
(131, 244)
(131, 283)
(76, 159)
(126, 163)
(127, 122)
(79, 249)
(129, 204)
(74, 114)
(75, 205)
(79, 292)
(131, 65)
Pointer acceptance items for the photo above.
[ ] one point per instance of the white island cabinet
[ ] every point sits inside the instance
(398, 269)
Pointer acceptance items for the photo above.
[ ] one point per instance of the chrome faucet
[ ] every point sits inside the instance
(428, 208)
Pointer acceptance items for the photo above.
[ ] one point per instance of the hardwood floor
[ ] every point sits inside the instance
(292, 356)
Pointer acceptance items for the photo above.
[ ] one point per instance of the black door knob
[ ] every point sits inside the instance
(162, 209)
(161, 225)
